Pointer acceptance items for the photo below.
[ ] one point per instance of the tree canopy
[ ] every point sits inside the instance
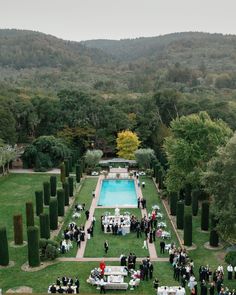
(127, 143)
(193, 142)
(220, 181)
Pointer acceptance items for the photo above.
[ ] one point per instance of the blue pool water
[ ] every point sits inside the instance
(117, 192)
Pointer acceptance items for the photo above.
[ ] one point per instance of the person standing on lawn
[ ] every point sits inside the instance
(106, 246)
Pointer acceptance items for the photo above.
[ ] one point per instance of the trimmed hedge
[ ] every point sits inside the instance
(46, 192)
(187, 196)
(214, 238)
(53, 185)
(29, 214)
(66, 162)
(195, 197)
(39, 202)
(61, 202)
(4, 252)
(78, 173)
(18, 229)
(180, 215)
(188, 224)
(173, 203)
(205, 216)
(66, 190)
(44, 226)
(71, 186)
(33, 246)
(53, 213)
(63, 172)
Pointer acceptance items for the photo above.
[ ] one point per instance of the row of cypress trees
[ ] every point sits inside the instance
(49, 196)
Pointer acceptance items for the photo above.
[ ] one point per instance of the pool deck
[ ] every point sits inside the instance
(81, 250)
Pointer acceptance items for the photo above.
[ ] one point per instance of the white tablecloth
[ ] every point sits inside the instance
(170, 290)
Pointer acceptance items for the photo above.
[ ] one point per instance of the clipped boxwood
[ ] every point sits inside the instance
(33, 246)
(180, 215)
(205, 216)
(230, 258)
(44, 225)
(66, 190)
(53, 213)
(71, 186)
(61, 202)
(173, 203)
(46, 192)
(195, 197)
(29, 214)
(18, 229)
(4, 252)
(53, 185)
(39, 202)
(188, 239)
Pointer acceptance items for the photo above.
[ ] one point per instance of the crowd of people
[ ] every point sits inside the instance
(65, 285)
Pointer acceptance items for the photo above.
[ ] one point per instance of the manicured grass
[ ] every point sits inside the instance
(117, 244)
(153, 198)
(40, 280)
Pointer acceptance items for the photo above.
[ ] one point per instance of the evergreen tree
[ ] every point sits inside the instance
(39, 202)
(195, 197)
(4, 252)
(18, 229)
(180, 215)
(61, 202)
(188, 229)
(205, 216)
(29, 214)
(53, 213)
(173, 203)
(53, 185)
(71, 186)
(44, 226)
(33, 246)
(46, 192)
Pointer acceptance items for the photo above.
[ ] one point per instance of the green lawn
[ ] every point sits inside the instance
(117, 244)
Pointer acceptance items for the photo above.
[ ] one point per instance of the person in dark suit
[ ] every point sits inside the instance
(61, 290)
(69, 290)
(87, 214)
(53, 289)
(106, 246)
(203, 288)
(58, 281)
(64, 281)
(162, 246)
(77, 284)
(150, 270)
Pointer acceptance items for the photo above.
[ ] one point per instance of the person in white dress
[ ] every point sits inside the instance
(145, 244)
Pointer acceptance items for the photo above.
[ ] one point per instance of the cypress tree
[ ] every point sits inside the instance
(44, 226)
(4, 252)
(188, 229)
(63, 172)
(180, 215)
(66, 190)
(70, 163)
(53, 185)
(46, 192)
(33, 246)
(78, 173)
(214, 221)
(18, 229)
(160, 179)
(61, 202)
(39, 202)
(205, 216)
(187, 190)
(195, 197)
(66, 162)
(29, 214)
(214, 238)
(71, 186)
(173, 203)
(53, 213)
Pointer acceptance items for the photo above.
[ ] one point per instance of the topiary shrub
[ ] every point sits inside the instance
(71, 186)
(48, 249)
(160, 178)
(180, 215)
(4, 252)
(44, 225)
(39, 202)
(61, 202)
(173, 203)
(63, 172)
(188, 229)
(53, 185)
(18, 229)
(70, 163)
(187, 197)
(66, 191)
(53, 213)
(195, 197)
(66, 162)
(205, 216)
(78, 173)
(29, 214)
(33, 246)
(214, 238)
(230, 258)
(46, 192)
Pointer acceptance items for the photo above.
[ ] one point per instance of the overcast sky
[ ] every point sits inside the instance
(118, 19)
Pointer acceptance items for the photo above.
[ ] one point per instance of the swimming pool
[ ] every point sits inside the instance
(117, 192)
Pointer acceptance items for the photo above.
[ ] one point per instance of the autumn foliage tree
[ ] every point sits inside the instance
(127, 143)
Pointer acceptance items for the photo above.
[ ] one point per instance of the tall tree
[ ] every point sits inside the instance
(127, 143)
